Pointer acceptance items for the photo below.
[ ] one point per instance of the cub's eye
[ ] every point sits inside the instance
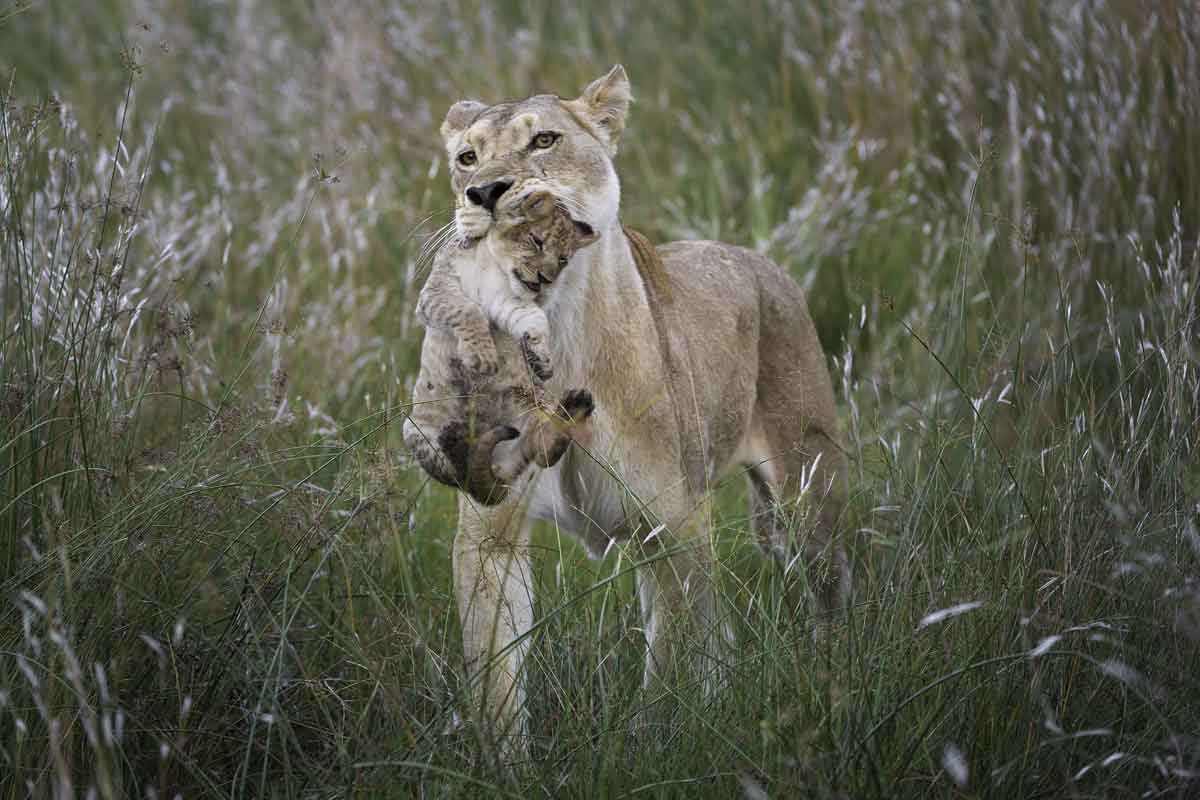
(544, 139)
(562, 261)
(467, 158)
(536, 242)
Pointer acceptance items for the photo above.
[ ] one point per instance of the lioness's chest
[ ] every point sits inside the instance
(581, 496)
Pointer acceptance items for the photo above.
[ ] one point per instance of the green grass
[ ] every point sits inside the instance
(223, 576)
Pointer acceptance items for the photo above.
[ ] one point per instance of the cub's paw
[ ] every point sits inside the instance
(577, 405)
(576, 409)
(537, 356)
(484, 362)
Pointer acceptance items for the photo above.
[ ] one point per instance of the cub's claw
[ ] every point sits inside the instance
(577, 405)
(575, 412)
(537, 359)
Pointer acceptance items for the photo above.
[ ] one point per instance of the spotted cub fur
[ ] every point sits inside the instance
(482, 415)
(498, 281)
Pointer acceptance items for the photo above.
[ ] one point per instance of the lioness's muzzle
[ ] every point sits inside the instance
(488, 194)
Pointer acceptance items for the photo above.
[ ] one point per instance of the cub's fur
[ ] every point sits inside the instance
(711, 368)
(488, 400)
(499, 282)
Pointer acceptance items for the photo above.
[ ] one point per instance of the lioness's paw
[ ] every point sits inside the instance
(537, 356)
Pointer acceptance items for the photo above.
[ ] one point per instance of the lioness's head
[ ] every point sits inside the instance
(541, 144)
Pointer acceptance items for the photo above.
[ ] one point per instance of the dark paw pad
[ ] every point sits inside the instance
(578, 404)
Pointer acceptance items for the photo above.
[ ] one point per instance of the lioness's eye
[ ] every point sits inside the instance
(544, 140)
(467, 158)
(562, 261)
(536, 242)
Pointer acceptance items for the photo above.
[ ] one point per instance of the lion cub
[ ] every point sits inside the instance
(478, 421)
(498, 281)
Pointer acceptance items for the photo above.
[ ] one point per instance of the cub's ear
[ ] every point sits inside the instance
(459, 118)
(606, 101)
(584, 234)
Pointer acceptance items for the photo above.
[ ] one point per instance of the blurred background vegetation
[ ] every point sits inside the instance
(223, 576)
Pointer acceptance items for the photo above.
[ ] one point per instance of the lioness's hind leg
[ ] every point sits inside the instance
(795, 430)
(798, 497)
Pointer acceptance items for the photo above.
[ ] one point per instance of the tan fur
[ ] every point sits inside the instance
(702, 360)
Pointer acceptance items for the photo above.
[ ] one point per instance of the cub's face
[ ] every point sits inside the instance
(534, 238)
(513, 151)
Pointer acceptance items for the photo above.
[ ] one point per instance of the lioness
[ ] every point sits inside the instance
(701, 358)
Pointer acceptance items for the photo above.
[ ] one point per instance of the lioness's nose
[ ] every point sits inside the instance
(488, 194)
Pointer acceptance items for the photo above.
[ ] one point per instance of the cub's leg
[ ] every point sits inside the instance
(493, 586)
(476, 347)
(552, 435)
(442, 305)
(435, 429)
(526, 322)
(545, 436)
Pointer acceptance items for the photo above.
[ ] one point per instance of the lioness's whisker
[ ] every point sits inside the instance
(432, 245)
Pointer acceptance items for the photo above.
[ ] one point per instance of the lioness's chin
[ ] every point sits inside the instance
(472, 222)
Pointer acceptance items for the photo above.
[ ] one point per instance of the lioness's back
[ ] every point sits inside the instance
(743, 311)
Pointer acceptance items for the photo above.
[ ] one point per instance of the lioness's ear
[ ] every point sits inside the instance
(584, 234)
(459, 118)
(606, 101)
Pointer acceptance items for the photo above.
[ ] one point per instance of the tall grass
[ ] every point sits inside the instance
(224, 577)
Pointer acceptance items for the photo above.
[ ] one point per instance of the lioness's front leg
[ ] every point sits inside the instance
(673, 548)
(675, 592)
(493, 586)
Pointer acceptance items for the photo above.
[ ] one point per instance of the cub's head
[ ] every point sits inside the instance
(535, 237)
(541, 144)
